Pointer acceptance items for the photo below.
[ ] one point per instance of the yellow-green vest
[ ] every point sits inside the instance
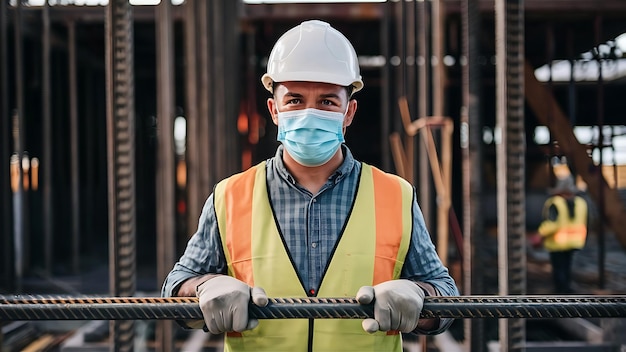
(566, 232)
(371, 250)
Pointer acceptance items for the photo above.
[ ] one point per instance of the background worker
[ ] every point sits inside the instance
(312, 221)
(564, 230)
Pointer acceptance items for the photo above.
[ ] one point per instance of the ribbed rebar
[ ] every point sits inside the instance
(510, 160)
(120, 100)
(156, 308)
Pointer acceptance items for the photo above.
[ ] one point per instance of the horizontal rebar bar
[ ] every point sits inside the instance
(30, 307)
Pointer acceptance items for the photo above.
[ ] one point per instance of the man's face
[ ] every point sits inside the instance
(289, 96)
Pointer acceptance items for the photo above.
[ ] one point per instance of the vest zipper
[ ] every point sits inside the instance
(310, 342)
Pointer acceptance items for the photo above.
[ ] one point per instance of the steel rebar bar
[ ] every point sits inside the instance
(179, 308)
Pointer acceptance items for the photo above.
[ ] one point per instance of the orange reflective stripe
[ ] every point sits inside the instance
(387, 196)
(238, 200)
(574, 235)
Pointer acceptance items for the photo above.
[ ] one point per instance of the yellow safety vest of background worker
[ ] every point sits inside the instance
(567, 228)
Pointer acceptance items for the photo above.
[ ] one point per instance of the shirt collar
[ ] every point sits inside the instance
(344, 169)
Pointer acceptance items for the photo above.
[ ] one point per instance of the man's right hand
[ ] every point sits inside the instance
(224, 303)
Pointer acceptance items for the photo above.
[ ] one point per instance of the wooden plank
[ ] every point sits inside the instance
(41, 344)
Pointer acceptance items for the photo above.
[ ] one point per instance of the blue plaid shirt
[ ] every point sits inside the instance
(311, 224)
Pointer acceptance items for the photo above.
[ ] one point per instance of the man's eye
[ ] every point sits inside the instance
(294, 101)
(327, 102)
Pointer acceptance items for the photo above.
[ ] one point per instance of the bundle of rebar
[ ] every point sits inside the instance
(29, 307)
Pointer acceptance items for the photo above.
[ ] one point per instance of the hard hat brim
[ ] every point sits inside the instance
(268, 80)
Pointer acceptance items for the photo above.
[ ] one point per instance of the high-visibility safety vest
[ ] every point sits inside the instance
(371, 250)
(566, 232)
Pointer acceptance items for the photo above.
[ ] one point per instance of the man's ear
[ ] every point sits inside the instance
(273, 109)
(347, 120)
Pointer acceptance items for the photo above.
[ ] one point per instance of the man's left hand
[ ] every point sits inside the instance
(397, 305)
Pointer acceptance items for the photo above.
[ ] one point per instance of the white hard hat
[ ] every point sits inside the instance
(314, 52)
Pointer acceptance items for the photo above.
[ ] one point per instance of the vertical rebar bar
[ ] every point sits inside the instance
(600, 175)
(74, 146)
(510, 157)
(19, 142)
(225, 46)
(403, 47)
(471, 146)
(438, 42)
(121, 161)
(165, 188)
(91, 154)
(48, 155)
(425, 189)
(439, 87)
(6, 213)
(571, 88)
(192, 108)
(411, 44)
(417, 52)
(385, 94)
(401, 81)
(217, 32)
(205, 169)
(18, 207)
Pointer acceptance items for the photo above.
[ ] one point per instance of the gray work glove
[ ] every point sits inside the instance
(224, 303)
(397, 305)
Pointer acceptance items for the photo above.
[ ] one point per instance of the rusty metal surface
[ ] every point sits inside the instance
(510, 160)
(471, 144)
(165, 189)
(121, 161)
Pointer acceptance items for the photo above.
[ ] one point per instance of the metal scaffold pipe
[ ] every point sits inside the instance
(180, 308)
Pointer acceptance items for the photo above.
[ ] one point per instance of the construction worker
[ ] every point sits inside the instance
(312, 221)
(564, 230)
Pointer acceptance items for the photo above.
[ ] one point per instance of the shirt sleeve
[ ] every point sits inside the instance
(422, 264)
(203, 254)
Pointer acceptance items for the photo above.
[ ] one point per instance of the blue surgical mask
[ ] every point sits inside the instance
(311, 136)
